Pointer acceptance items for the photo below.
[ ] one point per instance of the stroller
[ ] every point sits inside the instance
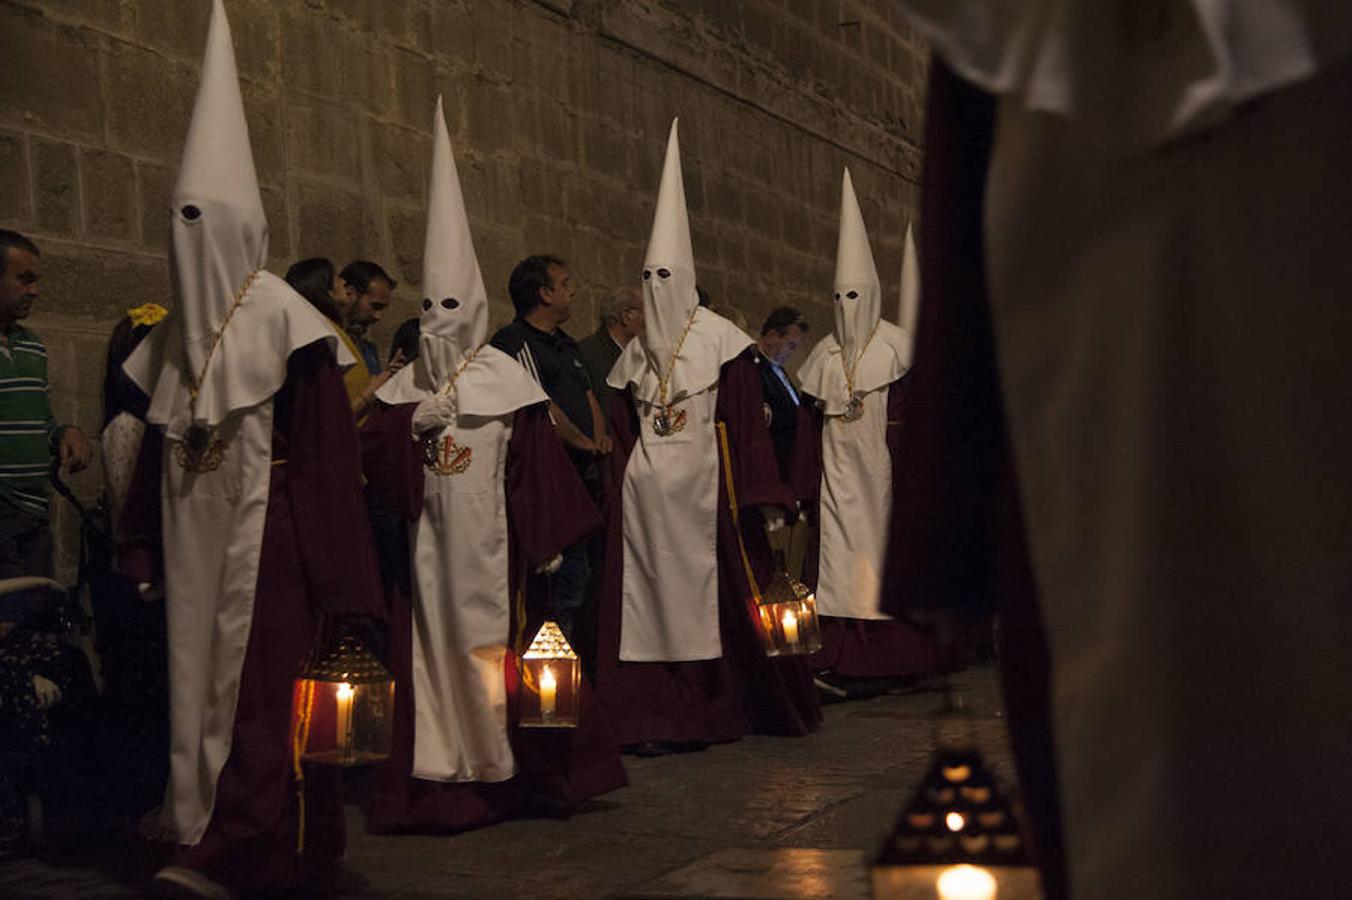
(97, 755)
(46, 686)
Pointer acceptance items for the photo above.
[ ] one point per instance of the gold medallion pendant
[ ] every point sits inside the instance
(443, 456)
(854, 410)
(199, 451)
(667, 421)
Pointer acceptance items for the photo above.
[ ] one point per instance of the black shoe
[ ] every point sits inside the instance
(688, 746)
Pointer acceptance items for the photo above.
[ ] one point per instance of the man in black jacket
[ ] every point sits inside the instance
(780, 337)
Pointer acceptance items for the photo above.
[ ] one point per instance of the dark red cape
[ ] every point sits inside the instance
(316, 559)
(548, 509)
(744, 690)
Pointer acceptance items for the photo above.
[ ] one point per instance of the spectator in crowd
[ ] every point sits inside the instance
(133, 659)
(404, 344)
(315, 280)
(621, 320)
(368, 288)
(780, 337)
(542, 294)
(32, 437)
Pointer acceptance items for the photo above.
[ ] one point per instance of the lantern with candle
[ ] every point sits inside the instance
(344, 706)
(957, 838)
(788, 617)
(551, 681)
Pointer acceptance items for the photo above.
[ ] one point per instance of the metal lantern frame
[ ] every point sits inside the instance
(551, 681)
(958, 827)
(787, 610)
(344, 706)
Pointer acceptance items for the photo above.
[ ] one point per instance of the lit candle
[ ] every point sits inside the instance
(966, 883)
(790, 622)
(955, 821)
(345, 719)
(549, 688)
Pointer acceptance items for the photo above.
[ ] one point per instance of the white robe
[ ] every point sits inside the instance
(213, 524)
(670, 536)
(461, 594)
(856, 503)
(670, 501)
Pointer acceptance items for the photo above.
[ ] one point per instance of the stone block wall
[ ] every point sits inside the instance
(558, 111)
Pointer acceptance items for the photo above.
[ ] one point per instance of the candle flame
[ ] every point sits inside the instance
(955, 821)
(344, 691)
(966, 882)
(790, 620)
(547, 680)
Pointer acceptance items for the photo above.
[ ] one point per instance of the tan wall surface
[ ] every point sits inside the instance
(558, 111)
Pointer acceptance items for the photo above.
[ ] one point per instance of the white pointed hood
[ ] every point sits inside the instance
(218, 240)
(669, 302)
(908, 306)
(455, 305)
(874, 349)
(454, 318)
(858, 293)
(218, 233)
(669, 295)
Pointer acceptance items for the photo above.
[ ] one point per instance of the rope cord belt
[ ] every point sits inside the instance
(726, 454)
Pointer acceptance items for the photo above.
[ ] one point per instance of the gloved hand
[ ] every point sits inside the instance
(774, 517)
(551, 565)
(433, 414)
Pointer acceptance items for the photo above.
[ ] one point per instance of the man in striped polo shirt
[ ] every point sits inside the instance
(29, 435)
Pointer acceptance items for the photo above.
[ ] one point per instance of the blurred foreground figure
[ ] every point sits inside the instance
(248, 477)
(1155, 369)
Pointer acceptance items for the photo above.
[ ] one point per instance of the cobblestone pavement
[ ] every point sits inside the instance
(729, 821)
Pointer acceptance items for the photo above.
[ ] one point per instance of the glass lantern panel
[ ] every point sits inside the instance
(550, 694)
(344, 724)
(790, 628)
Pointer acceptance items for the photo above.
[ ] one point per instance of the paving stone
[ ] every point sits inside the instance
(760, 818)
(758, 874)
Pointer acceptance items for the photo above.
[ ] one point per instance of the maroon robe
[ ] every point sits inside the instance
(716, 700)
(316, 560)
(549, 509)
(965, 543)
(859, 648)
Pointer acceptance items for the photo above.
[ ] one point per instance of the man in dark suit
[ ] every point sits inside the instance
(621, 320)
(780, 336)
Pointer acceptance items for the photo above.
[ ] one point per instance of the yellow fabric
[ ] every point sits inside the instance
(355, 379)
